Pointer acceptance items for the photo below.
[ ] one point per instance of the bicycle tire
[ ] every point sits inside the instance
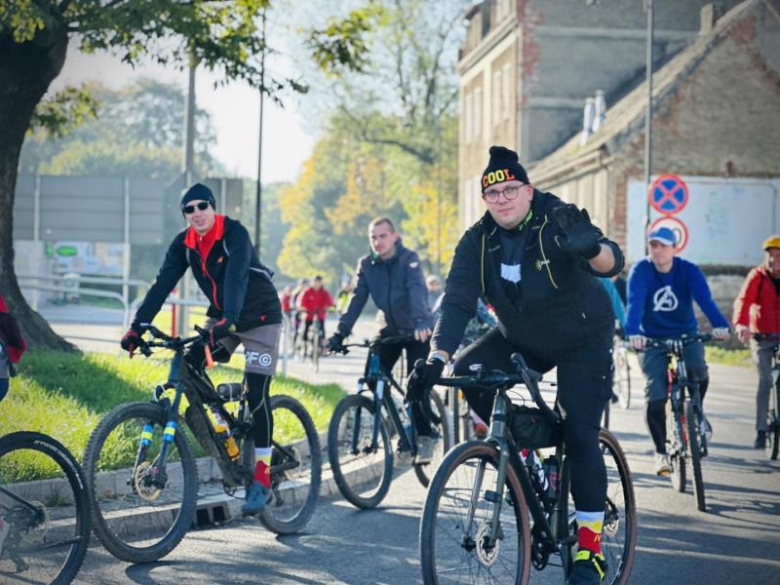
(111, 540)
(773, 426)
(271, 516)
(77, 542)
(620, 558)
(425, 471)
(432, 516)
(676, 450)
(316, 348)
(694, 443)
(345, 472)
(605, 416)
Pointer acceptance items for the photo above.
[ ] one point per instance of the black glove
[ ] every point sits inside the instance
(577, 236)
(424, 376)
(222, 328)
(335, 342)
(132, 339)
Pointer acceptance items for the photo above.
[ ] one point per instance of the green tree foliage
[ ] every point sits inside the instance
(34, 39)
(136, 130)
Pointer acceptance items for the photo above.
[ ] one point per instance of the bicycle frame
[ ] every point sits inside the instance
(678, 383)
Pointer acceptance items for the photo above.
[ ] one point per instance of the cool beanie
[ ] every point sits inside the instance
(504, 166)
(198, 192)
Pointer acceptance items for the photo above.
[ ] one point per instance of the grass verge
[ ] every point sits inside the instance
(64, 395)
(729, 357)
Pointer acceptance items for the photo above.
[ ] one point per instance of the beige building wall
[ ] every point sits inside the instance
(488, 115)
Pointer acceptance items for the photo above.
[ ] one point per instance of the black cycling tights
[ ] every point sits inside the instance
(260, 407)
(655, 417)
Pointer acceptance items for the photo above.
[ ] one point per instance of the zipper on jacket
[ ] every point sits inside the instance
(213, 283)
(544, 258)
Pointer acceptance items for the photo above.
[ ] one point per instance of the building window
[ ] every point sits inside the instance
(468, 113)
(506, 91)
(495, 92)
(478, 113)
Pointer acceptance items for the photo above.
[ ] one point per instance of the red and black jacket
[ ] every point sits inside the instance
(231, 276)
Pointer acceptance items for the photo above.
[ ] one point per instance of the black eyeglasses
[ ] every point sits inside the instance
(511, 193)
(203, 206)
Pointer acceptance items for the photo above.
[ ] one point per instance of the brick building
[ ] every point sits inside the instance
(527, 66)
(716, 124)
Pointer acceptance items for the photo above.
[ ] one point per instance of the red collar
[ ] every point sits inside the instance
(204, 243)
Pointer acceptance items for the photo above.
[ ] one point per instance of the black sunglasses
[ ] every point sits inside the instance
(203, 206)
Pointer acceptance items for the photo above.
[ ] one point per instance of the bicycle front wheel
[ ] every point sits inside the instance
(455, 545)
(675, 448)
(140, 509)
(442, 437)
(694, 442)
(773, 426)
(296, 467)
(44, 511)
(363, 472)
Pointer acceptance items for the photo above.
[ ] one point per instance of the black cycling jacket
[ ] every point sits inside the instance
(397, 287)
(234, 281)
(561, 305)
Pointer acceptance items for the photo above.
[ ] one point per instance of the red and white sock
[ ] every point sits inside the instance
(263, 466)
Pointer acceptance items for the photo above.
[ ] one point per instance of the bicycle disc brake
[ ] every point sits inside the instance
(144, 483)
(487, 555)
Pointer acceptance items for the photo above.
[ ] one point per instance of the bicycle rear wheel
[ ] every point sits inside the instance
(773, 428)
(443, 440)
(694, 443)
(296, 467)
(137, 520)
(44, 525)
(363, 474)
(619, 532)
(621, 384)
(456, 519)
(675, 448)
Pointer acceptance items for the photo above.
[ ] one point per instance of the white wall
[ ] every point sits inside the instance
(727, 219)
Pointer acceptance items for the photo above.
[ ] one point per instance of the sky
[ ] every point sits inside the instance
(235, 111)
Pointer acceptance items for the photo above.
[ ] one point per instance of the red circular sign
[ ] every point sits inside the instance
(679, 228)
(668, 194)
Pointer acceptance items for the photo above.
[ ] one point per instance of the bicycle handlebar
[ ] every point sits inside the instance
(671, 342)
(766, 336)
(498, 378)
(167, 342)
(394, 340)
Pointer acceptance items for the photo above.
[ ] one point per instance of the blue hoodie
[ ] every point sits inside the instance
(661, 304)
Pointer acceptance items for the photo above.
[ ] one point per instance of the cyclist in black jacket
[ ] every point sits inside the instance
(243, 308)
(535, 260)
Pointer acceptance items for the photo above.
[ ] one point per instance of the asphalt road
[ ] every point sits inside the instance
(736, 541)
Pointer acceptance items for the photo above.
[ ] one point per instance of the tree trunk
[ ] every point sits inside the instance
(26, 70)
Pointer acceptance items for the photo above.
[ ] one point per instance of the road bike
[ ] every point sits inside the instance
(139, 461)
(773, 414)
(365, 424)
(686, 430)
(490, 514)
(44, 522)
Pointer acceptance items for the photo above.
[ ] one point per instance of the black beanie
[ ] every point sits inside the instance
(504, 166)
(198, 192)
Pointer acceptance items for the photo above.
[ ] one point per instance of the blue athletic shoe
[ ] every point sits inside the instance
(256, 499)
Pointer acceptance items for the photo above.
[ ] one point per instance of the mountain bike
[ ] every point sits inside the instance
(364, 425)
(773, 414)
(686, 434)
(310, 342)
(139, 460)
(491, 515)
(44, 521)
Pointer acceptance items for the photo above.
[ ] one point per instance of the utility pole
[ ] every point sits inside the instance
(259, 195)
(649, 116)
(188, 168)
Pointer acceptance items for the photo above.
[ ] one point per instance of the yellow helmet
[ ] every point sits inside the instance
(772, 242)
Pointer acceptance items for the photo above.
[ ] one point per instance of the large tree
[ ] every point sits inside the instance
(34, 36)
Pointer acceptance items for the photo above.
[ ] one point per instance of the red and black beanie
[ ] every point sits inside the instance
(504, 166)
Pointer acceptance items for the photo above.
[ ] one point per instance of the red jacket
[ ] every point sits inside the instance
(758, 304)
(315, 301)
(10, 334)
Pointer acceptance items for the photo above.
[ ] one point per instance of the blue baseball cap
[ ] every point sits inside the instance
(664, 235)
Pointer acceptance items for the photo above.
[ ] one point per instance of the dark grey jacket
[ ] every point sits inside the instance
(397, 287)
